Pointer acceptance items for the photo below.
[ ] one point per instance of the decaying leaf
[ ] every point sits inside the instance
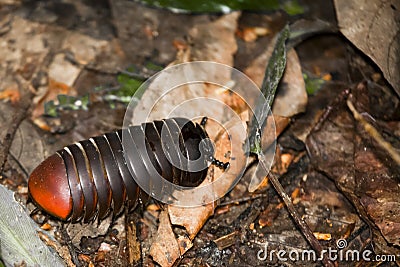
(291, 97)
(195, 217)
(215, 41)
(373, 26)
(27, 149)
(362, 170)
(50, 93)
(165, 249)
(191, 218)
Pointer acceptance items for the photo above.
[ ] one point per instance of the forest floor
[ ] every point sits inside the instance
(68, 70)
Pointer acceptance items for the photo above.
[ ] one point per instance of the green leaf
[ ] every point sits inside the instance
(152, 66)
(128, 86)
(50, 109)
(312, 84)
(19, 240)
(292, 7)
(83, 102)
(272, 77)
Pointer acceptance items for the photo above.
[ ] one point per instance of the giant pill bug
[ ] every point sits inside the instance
(90, 178)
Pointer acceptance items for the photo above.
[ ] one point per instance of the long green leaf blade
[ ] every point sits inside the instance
(273, 74)
(292, 7)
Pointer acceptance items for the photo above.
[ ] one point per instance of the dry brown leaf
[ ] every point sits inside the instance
(165, 249)
(192, 218)
(211, 41)
(27, 149)
(54, 89)
(46, 226)
(291, 97)
(215, 41)
(286, 160)
(323, 198)
(63, 71)
(360, 168)
(83, 47)
(179, 44)
(373, 27)
(185, 243)
(280, 124)
(268, 215)
(132, 243)
(22, 52)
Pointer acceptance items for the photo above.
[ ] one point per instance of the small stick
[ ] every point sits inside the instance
(243, 199)
(25, 104)
(374, 133)
(331, 107)
(305, 229)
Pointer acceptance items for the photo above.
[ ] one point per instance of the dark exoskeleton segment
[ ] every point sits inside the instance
(90, 178)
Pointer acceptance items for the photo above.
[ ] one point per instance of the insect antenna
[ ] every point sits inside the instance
(214, 161)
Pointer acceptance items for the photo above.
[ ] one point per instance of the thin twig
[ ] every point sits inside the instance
(331, 107)
(305, 229)
(25, 104)
(240, 200)
(374, 133)
(71, 58)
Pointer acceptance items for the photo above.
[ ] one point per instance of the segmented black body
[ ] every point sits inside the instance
(100, 178)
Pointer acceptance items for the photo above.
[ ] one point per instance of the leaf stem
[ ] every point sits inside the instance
(305, 229)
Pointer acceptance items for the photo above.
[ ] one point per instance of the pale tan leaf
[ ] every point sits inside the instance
(192, 219)
(165, 249)
(215, 41)
(291, 95)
